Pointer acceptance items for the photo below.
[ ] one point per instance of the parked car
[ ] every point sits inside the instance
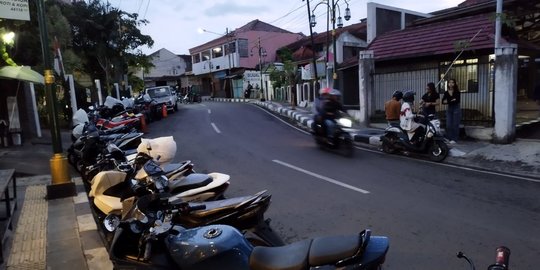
(163, 95)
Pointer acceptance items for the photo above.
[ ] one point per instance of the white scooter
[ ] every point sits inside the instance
(110, 188)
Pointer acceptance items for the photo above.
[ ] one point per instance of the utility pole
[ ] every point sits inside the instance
(61, 184)
(312, 46)
(261, 54)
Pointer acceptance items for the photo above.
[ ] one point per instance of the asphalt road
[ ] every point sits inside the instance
(429, 211)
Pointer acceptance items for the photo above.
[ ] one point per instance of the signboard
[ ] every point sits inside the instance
(14, 9)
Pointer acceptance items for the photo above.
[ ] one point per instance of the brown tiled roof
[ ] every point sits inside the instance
(358, 30)
(257, 25)
(436, 38)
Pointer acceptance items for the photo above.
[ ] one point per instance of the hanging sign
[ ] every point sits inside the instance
(14, 9)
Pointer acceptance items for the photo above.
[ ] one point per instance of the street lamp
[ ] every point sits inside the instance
(61, 185)
(262, 53)
(332, 8)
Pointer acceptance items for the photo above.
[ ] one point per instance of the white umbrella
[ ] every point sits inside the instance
(22, 73)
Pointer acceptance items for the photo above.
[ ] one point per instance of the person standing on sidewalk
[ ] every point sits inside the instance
(392, 108)
(429, 100)
(249, 88)
(452, 98)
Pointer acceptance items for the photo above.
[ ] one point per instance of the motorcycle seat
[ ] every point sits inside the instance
(304, 254)
(194, 180)
(170, 168)
(291, 257)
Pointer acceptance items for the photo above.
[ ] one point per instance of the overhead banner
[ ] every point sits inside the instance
(15, 10)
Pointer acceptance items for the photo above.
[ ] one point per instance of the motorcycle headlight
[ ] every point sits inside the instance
(345, 122)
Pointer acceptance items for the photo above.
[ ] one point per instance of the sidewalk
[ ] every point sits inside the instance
(48, 234)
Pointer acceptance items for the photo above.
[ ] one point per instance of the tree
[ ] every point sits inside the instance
(108, 38)
(288, 76)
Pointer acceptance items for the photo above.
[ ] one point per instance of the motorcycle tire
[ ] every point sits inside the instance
(438, 151)
(387, 145)
(347, 148)
(176, 106)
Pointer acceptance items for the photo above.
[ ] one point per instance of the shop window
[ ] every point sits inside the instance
(465, 72)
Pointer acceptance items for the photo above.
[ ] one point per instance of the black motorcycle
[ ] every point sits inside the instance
(341, 142)
(430, 142)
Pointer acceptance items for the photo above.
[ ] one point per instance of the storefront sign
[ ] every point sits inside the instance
(14, 9)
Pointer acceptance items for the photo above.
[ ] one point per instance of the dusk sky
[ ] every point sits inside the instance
(173, 24)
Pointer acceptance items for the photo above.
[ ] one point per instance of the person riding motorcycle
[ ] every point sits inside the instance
(317, 109)
(408, 120)
(331, 108)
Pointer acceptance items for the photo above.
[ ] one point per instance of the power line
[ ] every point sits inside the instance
(140, 4)
(146, 10)
(287, 14)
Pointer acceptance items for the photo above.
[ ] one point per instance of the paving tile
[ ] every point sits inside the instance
(86, 223)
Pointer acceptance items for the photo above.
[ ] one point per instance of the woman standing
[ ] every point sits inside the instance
(452, 97)
(429, 100)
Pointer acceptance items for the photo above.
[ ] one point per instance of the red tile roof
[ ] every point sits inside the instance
(435, 38)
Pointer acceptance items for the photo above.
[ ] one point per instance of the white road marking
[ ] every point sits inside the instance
(322, 177)
(209, 111)
(215, 128)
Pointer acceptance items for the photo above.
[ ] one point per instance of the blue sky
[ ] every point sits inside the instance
(174, 24)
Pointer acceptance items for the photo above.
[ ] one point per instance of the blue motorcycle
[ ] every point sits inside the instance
(148, 239)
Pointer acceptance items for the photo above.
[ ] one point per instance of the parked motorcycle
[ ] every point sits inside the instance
(430, 143)
(86, 149)
(109, 188)
(148, 238)
(341, 142)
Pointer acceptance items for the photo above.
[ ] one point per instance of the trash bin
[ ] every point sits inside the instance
(16, 138)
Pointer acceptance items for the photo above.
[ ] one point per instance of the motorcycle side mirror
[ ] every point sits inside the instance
(111, 222)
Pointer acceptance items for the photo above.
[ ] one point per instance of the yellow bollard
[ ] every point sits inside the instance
(61, 184)
(59, 169)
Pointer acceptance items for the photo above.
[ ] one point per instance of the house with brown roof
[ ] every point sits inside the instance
(223, 66)
(455, 43)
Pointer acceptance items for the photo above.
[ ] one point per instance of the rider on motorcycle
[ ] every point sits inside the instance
(408, 120)
(317, 109)
(331, 108)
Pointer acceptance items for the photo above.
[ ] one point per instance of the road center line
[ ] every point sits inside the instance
(327, 179)
(215, 128)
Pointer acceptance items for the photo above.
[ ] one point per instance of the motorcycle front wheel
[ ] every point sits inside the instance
(438, 151)
(347, 147)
